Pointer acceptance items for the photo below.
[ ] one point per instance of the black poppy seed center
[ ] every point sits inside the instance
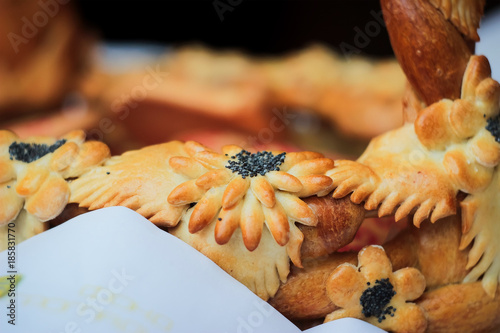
(29, 152)
(374, 300)
(493, 126)
(248, 164)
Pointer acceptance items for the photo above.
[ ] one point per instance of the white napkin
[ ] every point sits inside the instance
(112, 270)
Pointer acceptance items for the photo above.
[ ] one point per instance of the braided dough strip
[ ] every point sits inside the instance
(465, 15)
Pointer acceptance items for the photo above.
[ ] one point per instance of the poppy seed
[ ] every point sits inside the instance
(375, 299)
(29, 152)
(248, 164)
(493, 127)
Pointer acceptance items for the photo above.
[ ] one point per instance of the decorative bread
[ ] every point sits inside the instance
(421, 168)
(222, 202)
(160, 173)
(262, 270)
(251, 189)
(140, 180)
(206, 89)
(360, 97)
(33, 174)
(444, 162)
(433, 249)
(465, 15)
(434, 55)
(39, 63)
(255, 212)
(372, 291)
(201, 88)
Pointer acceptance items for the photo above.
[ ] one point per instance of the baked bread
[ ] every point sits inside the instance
(40, 63)
(33, 174)
(372, 290)
(219, 89)
(359, 96)
(201, 88)
(439, 172)
(448, 149)
(420, 168)
(434, 55)
(234, 193)
(162, 182)
(434, 165)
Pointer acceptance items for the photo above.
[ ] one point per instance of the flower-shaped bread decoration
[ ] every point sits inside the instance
(374, 293)
(481, 224)
(33, 172)
(139, 179)
(420, 168)
(453, 146)
(239, 188)
(396, 176)
(262, 270)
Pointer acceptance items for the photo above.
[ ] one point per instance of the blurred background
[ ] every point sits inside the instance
(256, 27)
(274, 27)
(317, 75)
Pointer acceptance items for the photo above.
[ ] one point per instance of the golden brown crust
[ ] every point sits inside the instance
(412, 104)
(447, 122)
(272, 197)
(37, 72)
(395, 176)
(230, 209)
(261, 270)
(439, 257)
(480, 228)
(432, 248)
(354, 290)
(434, 55)
(338, 222)
(461, 308)
(40, 185)
(140, 180)
(304, 296)
(421, 168)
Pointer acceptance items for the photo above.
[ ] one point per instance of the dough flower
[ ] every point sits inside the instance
(374, 293)
(419, 169)
(138, 179)
(239, 188)
(33, 172)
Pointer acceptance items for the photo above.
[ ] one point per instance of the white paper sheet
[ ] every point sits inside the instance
(489, 45)
(111, 270)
